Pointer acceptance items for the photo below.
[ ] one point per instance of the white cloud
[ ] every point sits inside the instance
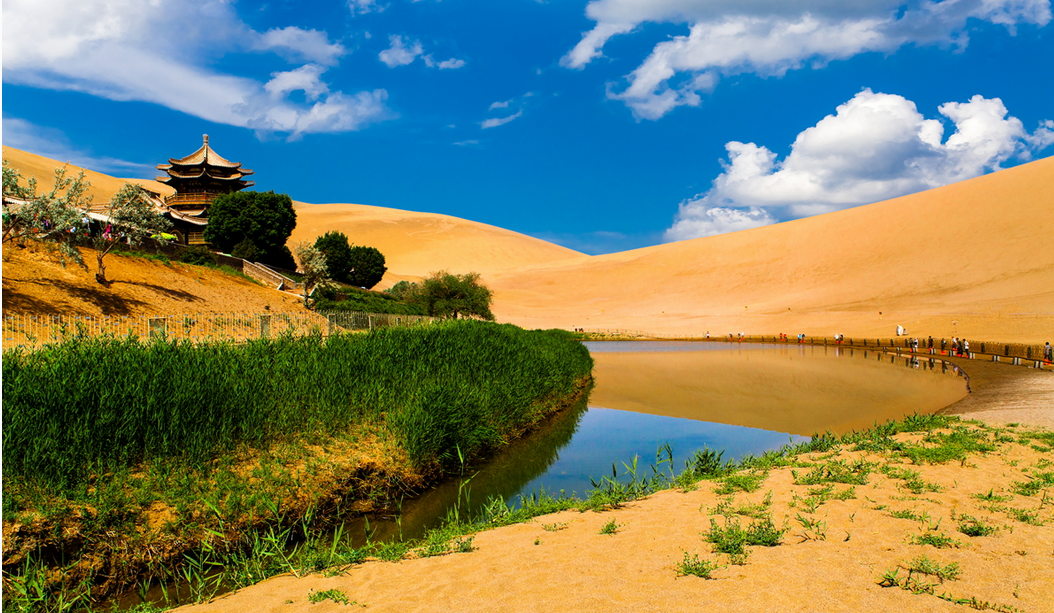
(309, 45)
(466, 143)
(53, 143)
(499, 121)
(499, 105)
(875, 147)
(161, 53)
(770, 37)
(404, 51)
(451, 64)
(361, 7)
(401, 52)
(305, 79)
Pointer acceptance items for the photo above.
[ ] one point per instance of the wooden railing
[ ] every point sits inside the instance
(31, 331)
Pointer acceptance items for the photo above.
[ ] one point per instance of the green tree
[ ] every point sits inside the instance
(266, 219)
(367, 267)
(312, 264)
(334, 245)
(56, 216)
(450, 295)
(131, 219)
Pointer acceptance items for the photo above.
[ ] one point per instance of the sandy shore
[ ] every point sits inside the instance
(561, 562)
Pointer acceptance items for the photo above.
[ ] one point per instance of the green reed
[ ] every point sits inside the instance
(87, 405)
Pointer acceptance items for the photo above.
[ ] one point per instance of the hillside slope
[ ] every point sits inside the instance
(972, 259)
(415, 244)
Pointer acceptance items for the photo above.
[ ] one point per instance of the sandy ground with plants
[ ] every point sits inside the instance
(36, 283)
(840, 541)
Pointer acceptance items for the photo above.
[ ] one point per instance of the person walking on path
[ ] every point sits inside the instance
(1048, 352)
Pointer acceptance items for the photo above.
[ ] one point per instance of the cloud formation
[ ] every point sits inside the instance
(403, 51)
(499, 121)
(876, 146)
(162, 53)
(770, 37)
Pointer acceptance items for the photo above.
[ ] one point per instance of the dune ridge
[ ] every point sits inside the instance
(977, 253)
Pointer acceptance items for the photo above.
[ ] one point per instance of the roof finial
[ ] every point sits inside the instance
(206, 137)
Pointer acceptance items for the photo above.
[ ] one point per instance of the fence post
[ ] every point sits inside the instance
(158, 327)
(265, 326)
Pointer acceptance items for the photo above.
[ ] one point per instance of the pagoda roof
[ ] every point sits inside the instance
(206, 156)
(201, 173)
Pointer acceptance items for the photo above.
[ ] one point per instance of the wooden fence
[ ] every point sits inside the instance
(30, 331)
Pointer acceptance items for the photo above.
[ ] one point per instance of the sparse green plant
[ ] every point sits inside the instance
(1026, 516)
(815, 529)
(854, 473)
(554, 527)
(935, 539)
(733, 539)
(693, 565)
(741, 482)
(335, 595)
(971, 526)
(610, 528)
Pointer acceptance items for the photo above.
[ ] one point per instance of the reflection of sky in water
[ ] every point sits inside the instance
(606, 435)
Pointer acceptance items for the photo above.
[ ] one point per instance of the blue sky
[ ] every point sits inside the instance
(602, 126)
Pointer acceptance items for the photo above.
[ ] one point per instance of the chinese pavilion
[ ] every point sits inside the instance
(198, 179)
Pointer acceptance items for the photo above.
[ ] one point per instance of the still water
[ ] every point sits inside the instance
(739, 398)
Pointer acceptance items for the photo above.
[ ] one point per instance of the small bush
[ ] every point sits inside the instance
(199, 255)
(696, 567)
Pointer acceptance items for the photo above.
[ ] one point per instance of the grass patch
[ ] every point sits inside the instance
(971, 526)
(610, 528)
(853, 473)
(935, 539)
(692, 565)
(741, 482)
(334, 595)
(733, 538)
(912, 479)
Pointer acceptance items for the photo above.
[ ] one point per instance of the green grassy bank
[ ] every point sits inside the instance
(122, 457)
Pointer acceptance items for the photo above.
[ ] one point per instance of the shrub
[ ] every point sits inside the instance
(198, 254)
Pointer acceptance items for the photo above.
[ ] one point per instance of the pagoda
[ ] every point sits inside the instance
(198, 179)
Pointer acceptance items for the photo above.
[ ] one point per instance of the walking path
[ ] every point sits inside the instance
(1003, 393)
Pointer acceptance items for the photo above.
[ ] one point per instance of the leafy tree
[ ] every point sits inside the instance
(405, 291)
(247, 250)
(266, 219)
(334, 245)
(312, 264)
(450, 295)
(367, 267)
(56, 216)
(132, 218)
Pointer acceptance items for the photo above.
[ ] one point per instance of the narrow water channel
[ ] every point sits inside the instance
(739, 398)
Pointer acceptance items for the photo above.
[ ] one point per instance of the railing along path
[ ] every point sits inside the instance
(31, 331)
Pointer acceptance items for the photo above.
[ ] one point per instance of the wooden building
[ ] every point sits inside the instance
(198, 179)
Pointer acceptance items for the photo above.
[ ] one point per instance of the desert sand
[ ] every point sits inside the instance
(416, 244)
(974, 259)
(36, 283)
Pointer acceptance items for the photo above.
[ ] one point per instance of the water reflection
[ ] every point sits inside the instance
(740, 398)
(800, 389)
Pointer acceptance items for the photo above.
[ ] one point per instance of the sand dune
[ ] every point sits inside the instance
(415, 244)
(103, 186)
(972, 259)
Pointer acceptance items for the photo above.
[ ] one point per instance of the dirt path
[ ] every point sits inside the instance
(1003, 393)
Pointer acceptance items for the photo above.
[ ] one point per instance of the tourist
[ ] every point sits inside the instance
(707, 335)
(966, 347)
(1048, 352)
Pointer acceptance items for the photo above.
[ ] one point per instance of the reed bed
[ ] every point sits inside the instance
(86, 405)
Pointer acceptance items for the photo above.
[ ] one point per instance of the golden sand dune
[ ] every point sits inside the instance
(103, 186)
(415, 244)
(973, 259)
